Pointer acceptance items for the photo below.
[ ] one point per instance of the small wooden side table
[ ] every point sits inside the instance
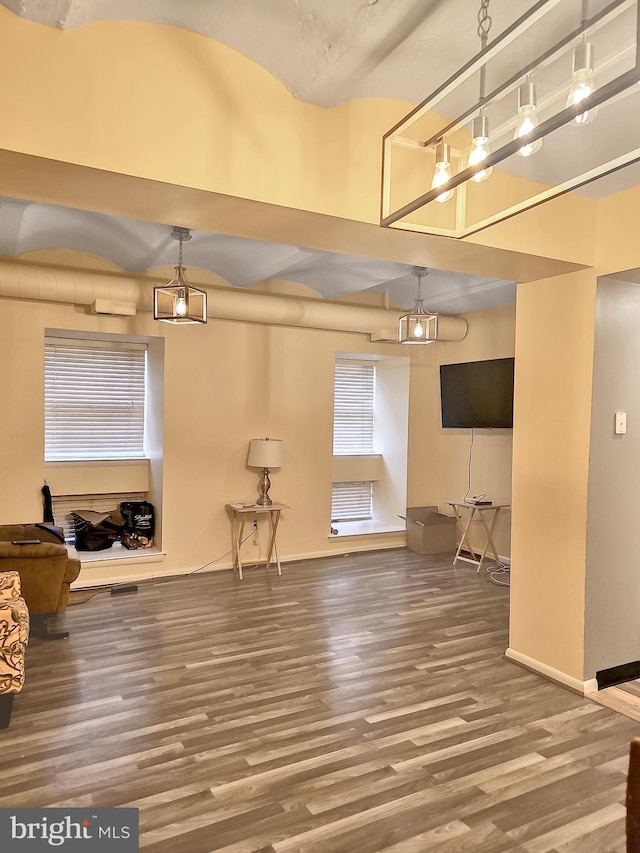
(479, 510)
(239, 514)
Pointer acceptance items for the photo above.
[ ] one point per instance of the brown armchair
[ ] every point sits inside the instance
(37, 552)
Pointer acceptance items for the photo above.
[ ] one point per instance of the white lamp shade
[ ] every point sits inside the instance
(265, 453)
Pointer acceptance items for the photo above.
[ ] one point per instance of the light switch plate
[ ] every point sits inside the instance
(620, 423)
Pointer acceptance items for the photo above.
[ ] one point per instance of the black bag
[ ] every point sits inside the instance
(96, 531)
(139, 524)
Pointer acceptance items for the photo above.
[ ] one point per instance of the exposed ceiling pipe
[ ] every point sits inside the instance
(23, 280)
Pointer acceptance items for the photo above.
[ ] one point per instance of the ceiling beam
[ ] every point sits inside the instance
(24, 176)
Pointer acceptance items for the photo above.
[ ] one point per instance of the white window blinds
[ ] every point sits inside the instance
(351, 501)
(94, 399)
(353, 407)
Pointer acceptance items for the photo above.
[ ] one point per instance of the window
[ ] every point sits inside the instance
(353, 407)
(351, 501)
(353, 434)
(370, 443)
(94, 400)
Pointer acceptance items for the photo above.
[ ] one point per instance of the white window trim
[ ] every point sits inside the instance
(387, 466)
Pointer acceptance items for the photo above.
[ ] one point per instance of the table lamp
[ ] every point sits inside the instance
(265, 453)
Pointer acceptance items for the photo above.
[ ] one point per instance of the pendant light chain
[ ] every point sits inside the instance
(420, 273)
(484, 25)
(181, 240)
(484, 22)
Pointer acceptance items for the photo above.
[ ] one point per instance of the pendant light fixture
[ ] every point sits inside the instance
(582, 82)
(178, 302)
(527, 119)
(480, 127)
(479, 148)
(418, 326)
(539, 74)
(442, 172)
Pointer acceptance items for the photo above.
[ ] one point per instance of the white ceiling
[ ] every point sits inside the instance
(325, 52)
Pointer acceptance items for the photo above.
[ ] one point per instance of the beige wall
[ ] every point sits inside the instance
(240, 134)
(228, 382)
(237, 128)
(224, 384)
(22, 442)
(617, 232)
(554, 366)
(439, 457)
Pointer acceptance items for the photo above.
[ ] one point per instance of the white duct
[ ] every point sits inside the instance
(77, 287)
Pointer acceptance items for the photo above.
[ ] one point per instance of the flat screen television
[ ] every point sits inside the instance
(477, 394)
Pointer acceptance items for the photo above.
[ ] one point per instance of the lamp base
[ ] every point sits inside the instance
(265, 485)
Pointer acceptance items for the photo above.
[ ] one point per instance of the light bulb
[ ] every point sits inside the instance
(181, 305)
(527, 123)
(582, 82)
(480, 148)
(418, 330)
(527, 119)
(442, 172)
(581, 89)
(441, 175)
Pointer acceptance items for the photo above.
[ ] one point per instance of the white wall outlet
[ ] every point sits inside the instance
(620, 423)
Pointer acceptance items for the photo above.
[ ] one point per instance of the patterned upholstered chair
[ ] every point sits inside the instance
(14, 636)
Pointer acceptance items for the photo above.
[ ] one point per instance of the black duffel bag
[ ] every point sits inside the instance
(138, 519)
(96, 531)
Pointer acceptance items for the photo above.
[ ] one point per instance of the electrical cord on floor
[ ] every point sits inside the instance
(217, 559)
(502, 570)
(89, 596)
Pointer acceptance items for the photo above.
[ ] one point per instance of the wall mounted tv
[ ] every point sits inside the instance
(477, 394)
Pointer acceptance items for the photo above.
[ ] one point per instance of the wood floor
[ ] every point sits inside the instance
(624, 698)
(356, 704)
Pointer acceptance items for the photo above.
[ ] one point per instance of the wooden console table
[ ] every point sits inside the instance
(239, 514)
(479, 511)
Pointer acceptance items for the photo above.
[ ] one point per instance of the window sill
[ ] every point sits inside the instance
(364, 528)
(117, 554)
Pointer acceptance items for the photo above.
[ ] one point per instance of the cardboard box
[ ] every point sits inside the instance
(430, 531)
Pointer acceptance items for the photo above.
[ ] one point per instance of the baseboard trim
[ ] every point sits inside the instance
(107, 572)
(619, 674)
(574, 684)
